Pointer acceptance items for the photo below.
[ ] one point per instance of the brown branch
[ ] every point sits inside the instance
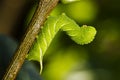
(44, 7)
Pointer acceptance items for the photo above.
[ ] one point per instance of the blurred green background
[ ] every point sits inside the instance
(66, 60)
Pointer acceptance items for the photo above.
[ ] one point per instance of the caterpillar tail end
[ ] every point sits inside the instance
(41, 67)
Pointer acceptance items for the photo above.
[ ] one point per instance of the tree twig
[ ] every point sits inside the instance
(43, 9)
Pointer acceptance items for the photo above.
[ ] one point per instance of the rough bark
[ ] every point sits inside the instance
(43, 9)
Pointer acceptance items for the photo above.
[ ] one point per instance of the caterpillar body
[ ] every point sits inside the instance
(81, 35)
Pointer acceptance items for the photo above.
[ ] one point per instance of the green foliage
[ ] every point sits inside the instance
(58, 10)
(68, 1)
(81, 35)
(83, 11)
(63, 62)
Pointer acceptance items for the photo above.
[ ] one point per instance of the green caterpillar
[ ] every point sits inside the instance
(81, 35)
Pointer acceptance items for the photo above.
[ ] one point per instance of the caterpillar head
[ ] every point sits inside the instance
(85, 35)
